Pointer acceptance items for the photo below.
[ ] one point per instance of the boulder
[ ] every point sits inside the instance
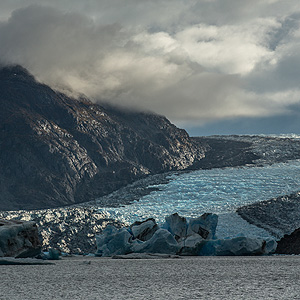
(204, 225)
(144, 230)
(176, 225)
(114, 241)
(19, 239)
(161, 242)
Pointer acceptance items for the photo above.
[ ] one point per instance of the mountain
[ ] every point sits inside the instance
(57, 151)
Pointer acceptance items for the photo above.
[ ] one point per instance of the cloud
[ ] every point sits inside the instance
(229, 49)
(193, 62)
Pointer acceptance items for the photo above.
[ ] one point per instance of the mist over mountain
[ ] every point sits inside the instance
(56, 150)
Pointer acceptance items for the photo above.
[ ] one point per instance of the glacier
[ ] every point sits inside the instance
(219, 191)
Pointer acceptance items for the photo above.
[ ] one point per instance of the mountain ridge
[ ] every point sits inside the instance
(57, 151)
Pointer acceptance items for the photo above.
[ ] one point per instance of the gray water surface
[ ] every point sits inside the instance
(273, 277)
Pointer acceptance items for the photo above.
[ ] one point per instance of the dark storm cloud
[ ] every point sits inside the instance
(193, 62)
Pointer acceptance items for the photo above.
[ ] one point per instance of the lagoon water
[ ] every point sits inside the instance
(219, 191)
(91, 278)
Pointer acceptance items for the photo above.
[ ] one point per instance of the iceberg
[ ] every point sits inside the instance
(114, 241)
(19, 239)
(161, 242)
(176, 225)
(233, 247)
(52, 254)
(205, 225)
(144, 230)
(191, 245)
(180, 237)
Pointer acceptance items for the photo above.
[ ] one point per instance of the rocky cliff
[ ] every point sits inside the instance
(290, 243)
(56, 151)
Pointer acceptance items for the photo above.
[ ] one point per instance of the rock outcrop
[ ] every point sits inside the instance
(279, 215)
(289, 243)
(19, 239)
(239, 150)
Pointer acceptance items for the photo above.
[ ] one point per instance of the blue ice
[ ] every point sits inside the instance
(219, 191)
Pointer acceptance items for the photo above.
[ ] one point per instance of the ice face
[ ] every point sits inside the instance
(218, 191)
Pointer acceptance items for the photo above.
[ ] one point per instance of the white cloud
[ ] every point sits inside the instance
(229, 49)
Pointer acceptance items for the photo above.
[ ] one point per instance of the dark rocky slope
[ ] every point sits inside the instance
(239, 150)
(225, 152)
(289, 244)
(279, 216)
(56, 151)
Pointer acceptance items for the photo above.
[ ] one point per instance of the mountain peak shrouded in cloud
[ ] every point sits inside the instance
(15, 72)
(198, 63)
(57, 151)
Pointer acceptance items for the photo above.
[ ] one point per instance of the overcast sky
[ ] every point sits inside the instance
(210, 66)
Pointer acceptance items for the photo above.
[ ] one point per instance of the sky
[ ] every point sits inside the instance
(210, 66)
